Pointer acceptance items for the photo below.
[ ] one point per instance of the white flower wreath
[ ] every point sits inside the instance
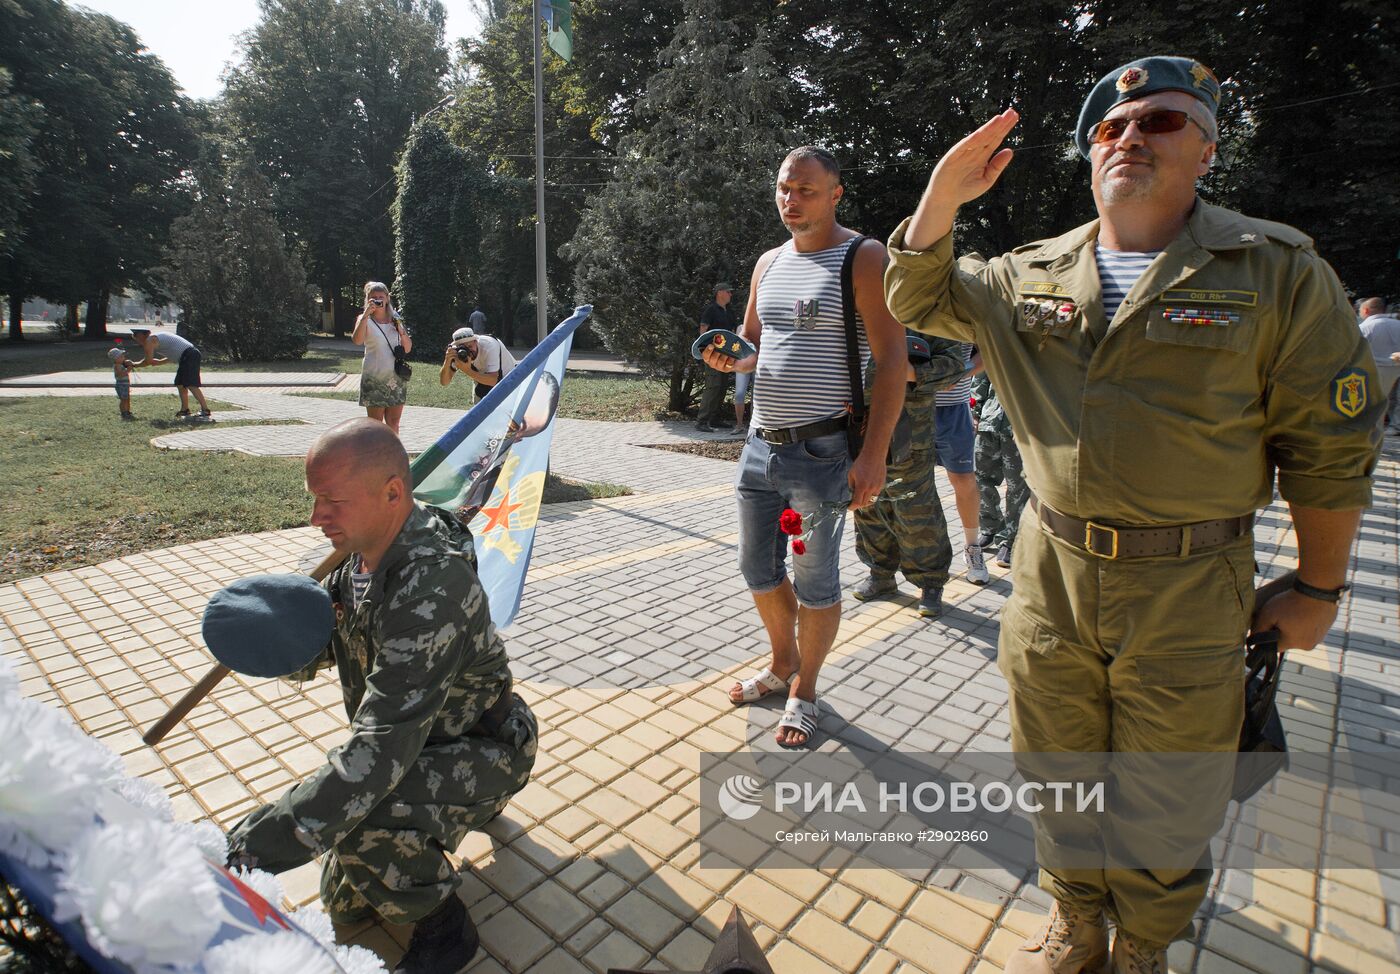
(52, 777)
(144, 892)
(260, 953)
(142, 885)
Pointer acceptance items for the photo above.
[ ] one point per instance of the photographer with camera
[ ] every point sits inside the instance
(484, 359)
(385, 374)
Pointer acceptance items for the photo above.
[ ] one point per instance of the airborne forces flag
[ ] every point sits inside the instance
(490, 467)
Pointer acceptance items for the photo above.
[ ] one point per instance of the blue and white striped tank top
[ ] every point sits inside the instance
(801, 376)
(1119, 270)
(960, 391)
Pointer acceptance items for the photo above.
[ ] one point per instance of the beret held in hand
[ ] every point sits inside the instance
(269, 625)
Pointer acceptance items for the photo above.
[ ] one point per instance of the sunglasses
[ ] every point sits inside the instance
(1153, 123)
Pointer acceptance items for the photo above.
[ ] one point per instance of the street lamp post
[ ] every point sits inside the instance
(541, 286)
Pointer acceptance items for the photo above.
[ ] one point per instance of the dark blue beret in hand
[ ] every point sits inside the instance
(269, 625)
(722, 340)
(1146, 76)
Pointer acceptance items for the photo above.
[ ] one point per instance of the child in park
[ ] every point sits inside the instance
(121, 370)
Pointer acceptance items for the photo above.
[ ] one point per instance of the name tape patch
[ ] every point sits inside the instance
(1245, 299)
(1049, 288)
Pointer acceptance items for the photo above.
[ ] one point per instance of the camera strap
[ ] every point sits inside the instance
(387, 340)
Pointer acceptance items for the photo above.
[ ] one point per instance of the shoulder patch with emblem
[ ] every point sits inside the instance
(1349, 393)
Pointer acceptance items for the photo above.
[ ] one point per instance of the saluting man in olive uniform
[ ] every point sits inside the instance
(1158, 365)
(438, 742)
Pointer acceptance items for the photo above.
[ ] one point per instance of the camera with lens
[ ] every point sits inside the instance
(401, 367)
(464, 354)
(377, 302)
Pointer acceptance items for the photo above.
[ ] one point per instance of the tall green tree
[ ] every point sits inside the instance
(229, 268)
(445, 198)
(691, 200)
(324, 97)
(890, 86)
(19, 124)
(1316, 119)
(494, 117)
(111, 145)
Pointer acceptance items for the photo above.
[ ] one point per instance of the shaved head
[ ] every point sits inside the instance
(357, 475)
(371, 447)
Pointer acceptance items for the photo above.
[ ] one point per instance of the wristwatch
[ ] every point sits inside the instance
(1333, 595)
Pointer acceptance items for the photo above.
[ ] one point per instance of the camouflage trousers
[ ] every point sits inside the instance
(394, 861)
(904, 530)
(998, 460)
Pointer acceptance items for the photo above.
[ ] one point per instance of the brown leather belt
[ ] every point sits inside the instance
(1110, 541)
(795, 434)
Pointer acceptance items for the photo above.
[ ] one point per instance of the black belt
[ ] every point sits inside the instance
(795, 434)
(1110, 541)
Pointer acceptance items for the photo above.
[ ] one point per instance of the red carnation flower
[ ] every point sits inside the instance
(799, 547)
(790, 522)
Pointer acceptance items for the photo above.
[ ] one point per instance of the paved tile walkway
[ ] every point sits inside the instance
(634, 622)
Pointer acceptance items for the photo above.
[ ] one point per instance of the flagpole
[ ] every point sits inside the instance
(541, 285)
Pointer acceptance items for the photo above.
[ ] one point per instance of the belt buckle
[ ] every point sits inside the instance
(1089, 528)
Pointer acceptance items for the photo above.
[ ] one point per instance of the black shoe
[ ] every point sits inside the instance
(444, 942)
(183, 414)
(128, 416)
(705, 428)
(875, 587)
(931, 602)
(1004, 554)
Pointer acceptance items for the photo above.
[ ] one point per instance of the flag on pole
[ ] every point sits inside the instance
(561, 27)
(490, 467)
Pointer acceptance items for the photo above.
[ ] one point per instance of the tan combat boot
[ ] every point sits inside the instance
(1134, 956)
(1073, 941)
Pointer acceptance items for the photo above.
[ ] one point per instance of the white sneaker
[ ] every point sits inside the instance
(976, 565)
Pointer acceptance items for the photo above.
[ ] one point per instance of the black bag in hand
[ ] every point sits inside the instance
(401, 367)
(902, 439)
(1263, 746)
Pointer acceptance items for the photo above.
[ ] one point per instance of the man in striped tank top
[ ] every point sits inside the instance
(1163, 366)
(797, 455)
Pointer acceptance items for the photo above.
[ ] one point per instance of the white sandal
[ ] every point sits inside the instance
(801, 716)
(755, 688)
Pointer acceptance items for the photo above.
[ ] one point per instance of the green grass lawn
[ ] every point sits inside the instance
(83, 487)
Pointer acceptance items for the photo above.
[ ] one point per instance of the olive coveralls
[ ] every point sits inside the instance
(1148, 421)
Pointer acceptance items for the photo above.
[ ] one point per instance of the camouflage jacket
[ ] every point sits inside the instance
(419, 663)
(991, 418)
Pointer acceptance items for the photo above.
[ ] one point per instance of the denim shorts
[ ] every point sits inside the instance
(742, 382)
(954, 437)
(123, 388)
(811, 478)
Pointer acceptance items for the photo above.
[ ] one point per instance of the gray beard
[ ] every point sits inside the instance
(1128, 190)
